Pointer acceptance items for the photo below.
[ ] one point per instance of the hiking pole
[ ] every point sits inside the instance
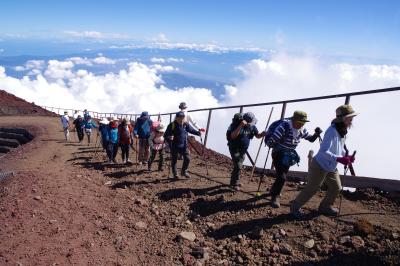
(204, 154)
(346, 167)
(262, 140)
(137, 153)
(258, 193)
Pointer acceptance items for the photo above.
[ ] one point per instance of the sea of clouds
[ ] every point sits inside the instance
(137, 87)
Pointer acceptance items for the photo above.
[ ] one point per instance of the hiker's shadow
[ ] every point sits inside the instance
(92, 165)
(177, 193)
(128, 184)
(205, 208)
(248, 227)
(124, 173)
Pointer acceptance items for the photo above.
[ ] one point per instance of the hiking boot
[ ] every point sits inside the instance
(149, 169)
(175, 177)
(275, 202)
(186, 174)
(295, 211)
(329, 211)
(160, 169)
(236, 186)
(114, 161)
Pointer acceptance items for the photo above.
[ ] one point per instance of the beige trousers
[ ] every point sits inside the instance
(316, 177)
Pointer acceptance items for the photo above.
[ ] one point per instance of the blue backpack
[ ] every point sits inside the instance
(270, 132)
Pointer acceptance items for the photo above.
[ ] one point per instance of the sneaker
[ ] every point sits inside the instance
(330, 211)
(295, 211)
(149, 169)
(160, 169)
(275, 202)
(186, 174)
(175, 177)
(128, 161)
(114, 161)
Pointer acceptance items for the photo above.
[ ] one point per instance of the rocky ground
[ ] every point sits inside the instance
(65, 206)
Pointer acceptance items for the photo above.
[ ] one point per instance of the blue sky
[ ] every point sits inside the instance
(354, 28)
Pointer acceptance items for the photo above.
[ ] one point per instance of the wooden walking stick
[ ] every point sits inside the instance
(262, 140)
(258, 193)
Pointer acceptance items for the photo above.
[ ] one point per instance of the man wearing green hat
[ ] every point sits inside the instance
(283, 141)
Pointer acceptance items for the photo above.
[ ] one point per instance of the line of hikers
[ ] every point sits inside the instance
(282, 136)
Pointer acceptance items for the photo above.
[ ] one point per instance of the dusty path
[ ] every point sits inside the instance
(63, 208)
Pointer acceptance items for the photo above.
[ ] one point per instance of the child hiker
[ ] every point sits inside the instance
(177, 136)
(88, 125)
(285, 136)
(79, 124)
(112, 147)
(157, 145)
(323, 168)
(65, 125)
(142, 132)
(239, 134)
(125, 137)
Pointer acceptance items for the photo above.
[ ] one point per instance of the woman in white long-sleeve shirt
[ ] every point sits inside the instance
(323, 168)
(188, 118)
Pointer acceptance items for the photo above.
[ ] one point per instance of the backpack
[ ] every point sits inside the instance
(270, 131)
(154, 126)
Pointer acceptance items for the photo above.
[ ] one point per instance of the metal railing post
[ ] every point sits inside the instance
(283, 110)
(208, 127)
(347, 101)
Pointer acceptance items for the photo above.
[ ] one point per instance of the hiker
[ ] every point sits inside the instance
(177, 136)
(65, 125)
(75, 115)
(79, 125)
(103, 131)
(283, 136)
(125, 138)
(239, 133)
(85, 114)
(188, 118)
(112, 147)
(142, 133)
(88, 125)
(323, 168)
(157, 145)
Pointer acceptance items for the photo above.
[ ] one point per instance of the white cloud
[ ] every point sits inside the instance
(140, 87)
(96, 35)
(33, 65)
(161, 38)
(104, 60)
(164, 60)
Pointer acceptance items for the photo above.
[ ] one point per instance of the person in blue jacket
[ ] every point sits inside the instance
(142, 132)
(177, 137)
(112, 147)
(88, 125)
(103, 131)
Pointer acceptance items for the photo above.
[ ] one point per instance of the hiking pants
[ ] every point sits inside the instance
(88, 134)
(144, 150)
(79, 132)
(316, 177)
(281, 173)
(112, 149)
(153, 156)
(174, 158)
(66, 133)
(237, 161)
(124, 152)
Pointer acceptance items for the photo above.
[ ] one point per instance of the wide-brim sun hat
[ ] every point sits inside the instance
(250, 118)
(182, 105)
(115, 118)
(104, 121)
(160, 128)
(180, 114)
(343, 112)
(300, 116)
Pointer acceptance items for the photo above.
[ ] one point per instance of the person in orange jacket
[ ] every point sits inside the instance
(125, 137)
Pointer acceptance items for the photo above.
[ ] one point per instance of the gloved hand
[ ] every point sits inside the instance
(352, 158)
(318, 131)
(345, 160)
(202, 130)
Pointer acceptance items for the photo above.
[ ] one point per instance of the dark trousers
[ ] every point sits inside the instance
(238, 157)
(153, 156)
(112, 149)
(174, 158)
(124, 152)
(281, 173)
(79, 131)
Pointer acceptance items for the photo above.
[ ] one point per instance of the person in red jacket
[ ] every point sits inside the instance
(125, 138)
